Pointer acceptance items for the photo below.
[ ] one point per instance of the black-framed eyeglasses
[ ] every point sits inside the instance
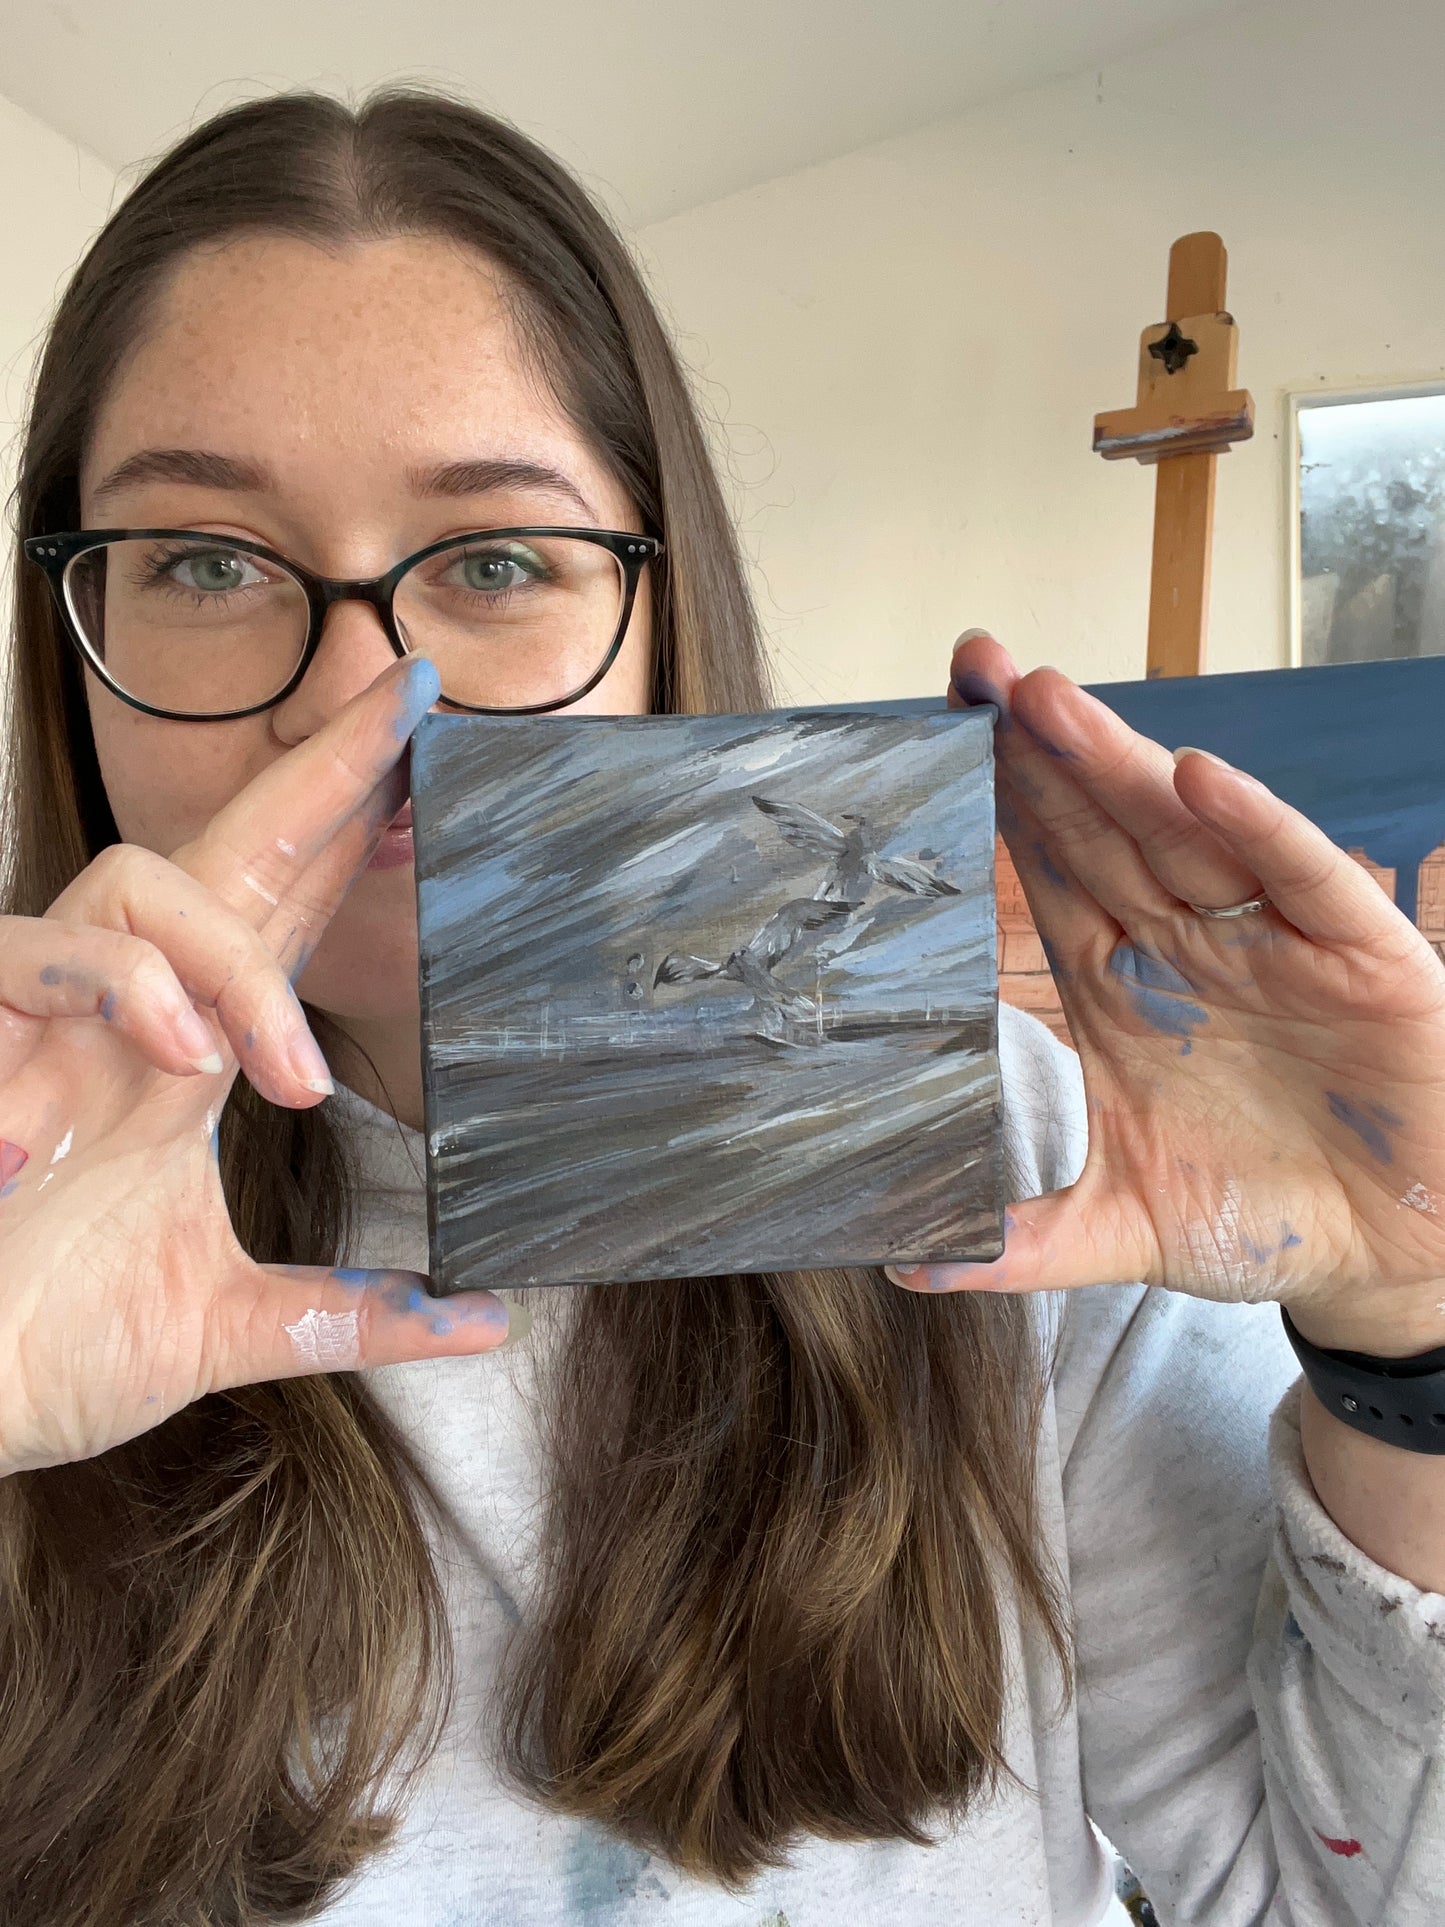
(195, 627)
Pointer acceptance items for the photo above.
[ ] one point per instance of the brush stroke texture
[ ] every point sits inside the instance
(593, 1116)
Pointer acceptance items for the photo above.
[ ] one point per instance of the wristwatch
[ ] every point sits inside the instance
(1399, 1400)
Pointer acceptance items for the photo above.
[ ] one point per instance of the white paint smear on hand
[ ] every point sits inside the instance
(326, 1341)
(1216, 1248)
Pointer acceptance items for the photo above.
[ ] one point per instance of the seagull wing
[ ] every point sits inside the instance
(913, 877)
(803, 828)
(784, 928)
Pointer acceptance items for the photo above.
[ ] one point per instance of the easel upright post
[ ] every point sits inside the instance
(1187, 414)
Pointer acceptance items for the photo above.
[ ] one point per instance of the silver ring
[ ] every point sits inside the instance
(1234, 910)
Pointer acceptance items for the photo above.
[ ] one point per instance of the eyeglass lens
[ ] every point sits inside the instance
(194, 626)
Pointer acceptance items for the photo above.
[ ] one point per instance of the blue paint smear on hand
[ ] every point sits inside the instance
(1369, 1122)
(1049, 868)
(1261, 1254)
(976, 688)
(354, 1277)
(1049, 747)
(1161, 995)
(1057, 970)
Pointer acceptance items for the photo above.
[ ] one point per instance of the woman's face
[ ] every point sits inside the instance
(336, 382)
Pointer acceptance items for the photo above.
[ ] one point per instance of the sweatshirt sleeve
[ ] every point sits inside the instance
(1261, 1707)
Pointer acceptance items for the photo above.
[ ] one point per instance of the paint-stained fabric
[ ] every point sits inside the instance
(1260, 1726)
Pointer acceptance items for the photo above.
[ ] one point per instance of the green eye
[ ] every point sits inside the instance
(213, 571)
(494, 571)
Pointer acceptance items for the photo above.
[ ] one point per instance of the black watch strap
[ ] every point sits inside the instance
(1400, 1400)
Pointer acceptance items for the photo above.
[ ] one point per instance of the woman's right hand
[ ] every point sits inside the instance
(124, 1293)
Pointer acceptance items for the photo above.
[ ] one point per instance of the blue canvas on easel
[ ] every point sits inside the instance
(1359, 748)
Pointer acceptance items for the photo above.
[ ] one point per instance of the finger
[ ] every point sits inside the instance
(1308, 879)
(983, 671)
(1066, 918)
(296, 836)
(1070, 921)
(19, 1036)
(219, 959)
(1074, 830)
(1072, 927)
(1053, 1243)
(284, 1321)
(1132, 779)
(51, 970)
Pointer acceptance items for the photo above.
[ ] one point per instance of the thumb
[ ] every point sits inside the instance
(1051, 1243)
(282, 1321)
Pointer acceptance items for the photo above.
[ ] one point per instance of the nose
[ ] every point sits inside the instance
(354, 649)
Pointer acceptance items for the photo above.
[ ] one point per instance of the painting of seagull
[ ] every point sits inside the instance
(854, 860)
(753, 964)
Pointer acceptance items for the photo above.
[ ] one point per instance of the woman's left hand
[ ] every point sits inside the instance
(1266, 1093)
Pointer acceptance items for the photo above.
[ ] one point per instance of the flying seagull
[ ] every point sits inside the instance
(752, 965)
(853, 862)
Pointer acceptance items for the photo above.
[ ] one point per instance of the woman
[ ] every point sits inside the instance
(759, 1587)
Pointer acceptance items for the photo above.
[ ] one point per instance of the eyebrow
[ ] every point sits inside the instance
(486, 476)
(205, 469)
(194, 465)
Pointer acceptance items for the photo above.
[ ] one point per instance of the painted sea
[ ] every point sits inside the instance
(706, 994)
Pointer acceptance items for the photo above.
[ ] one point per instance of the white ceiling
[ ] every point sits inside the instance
(661, 106)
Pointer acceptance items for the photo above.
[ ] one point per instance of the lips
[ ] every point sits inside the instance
(402, 819)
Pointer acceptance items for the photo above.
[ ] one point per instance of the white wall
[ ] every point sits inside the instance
(907, 346)
(53, 197)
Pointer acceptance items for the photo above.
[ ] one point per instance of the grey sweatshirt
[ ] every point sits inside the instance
(1260, 1722)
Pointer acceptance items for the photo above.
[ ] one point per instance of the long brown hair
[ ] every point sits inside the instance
(786, 1513)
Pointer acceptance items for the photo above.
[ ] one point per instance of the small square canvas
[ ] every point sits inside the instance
(706, 994)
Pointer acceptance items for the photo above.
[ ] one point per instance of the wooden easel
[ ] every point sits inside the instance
(1187, 414)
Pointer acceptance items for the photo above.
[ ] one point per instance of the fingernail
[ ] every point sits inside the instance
(1244, 782)
(488, 1308)
(519, 1322)
(309, 1065)
(195, 1039)
(903, 1274)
